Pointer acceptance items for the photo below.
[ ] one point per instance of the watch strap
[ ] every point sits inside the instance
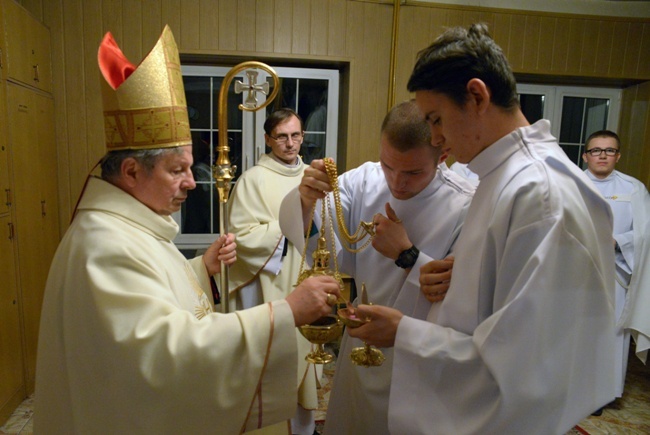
(407, 258)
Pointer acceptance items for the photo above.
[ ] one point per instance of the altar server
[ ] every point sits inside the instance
(418, 209)
(630, 203)
(523, 339)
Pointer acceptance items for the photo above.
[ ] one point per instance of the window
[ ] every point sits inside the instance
(574, 112)
(312, 93)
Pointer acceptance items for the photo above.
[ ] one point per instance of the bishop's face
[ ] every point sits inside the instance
(164, 188)
(453, 129)
(407, 173)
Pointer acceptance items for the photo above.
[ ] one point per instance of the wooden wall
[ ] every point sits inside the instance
(353, 33)
(634, 131)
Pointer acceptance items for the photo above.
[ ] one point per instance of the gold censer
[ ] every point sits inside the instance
(330, 328)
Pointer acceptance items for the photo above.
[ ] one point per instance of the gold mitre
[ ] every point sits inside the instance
(144, 107)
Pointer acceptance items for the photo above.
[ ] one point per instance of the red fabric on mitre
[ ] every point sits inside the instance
(115, 67)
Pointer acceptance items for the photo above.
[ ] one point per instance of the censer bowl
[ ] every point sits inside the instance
(323, 330)
(366, 356)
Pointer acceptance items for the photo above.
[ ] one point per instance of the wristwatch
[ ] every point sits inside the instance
(408, 257)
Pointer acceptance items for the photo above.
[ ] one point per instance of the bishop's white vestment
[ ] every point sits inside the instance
(523, 339)
(630, 204)
(433, 218)
(129, 343)
(267, 270)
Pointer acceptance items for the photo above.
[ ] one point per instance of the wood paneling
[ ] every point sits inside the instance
(189, 19)
(604, 43)
(301, 26)
(337, 19)
(357, 33)
(264, 25)
(634, 131)
(632, 50)
(152, 23)
(318, 36)
(282, 27)
(170, 14)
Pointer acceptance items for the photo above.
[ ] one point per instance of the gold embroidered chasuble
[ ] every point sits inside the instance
(128, 342)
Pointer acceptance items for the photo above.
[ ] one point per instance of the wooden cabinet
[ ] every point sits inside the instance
(12, 386)
(27, 47)
(12, 376)
(29, 215)
(33, 152)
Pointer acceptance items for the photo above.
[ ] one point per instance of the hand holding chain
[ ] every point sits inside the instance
(364, 229)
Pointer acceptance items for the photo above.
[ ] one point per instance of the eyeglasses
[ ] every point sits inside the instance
(284, 138)
(595, 152)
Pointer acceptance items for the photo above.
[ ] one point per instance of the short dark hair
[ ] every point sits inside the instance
(278, 117)
(405, 128)
(603, 133)
(111, 163)
(459, 55)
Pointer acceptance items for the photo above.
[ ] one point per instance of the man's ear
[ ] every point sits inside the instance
(478, 94)
(130, 169)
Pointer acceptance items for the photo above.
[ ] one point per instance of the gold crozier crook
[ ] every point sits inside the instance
(223, 172)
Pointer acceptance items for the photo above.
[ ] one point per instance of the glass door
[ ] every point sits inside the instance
(579, 113)
(574, 112)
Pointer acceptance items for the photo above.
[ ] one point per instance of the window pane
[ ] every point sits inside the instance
(313, 110)
(597, 113)
(287, 96)
(234, 100)
(195, 216)
(572, 117)
(573, 152)
(532, 107)
(197, 93)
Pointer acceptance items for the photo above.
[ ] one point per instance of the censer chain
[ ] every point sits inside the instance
(364, 229)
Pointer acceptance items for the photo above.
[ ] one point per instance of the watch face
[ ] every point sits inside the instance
(408, 257)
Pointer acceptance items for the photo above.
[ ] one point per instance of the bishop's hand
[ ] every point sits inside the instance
(221, 250)
(311, 299)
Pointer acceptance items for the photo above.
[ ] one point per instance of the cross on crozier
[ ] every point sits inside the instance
(253, 88)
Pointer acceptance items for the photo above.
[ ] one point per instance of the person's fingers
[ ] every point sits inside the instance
(390, 213)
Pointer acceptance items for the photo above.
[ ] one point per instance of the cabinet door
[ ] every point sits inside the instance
(3, 50)
(11, 354)
(5, 189)
(36, 212)
(41, 61)
(47, 176)
(27, 43)
(17, 41)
